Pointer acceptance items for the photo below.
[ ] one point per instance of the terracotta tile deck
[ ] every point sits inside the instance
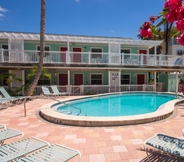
(96, 144)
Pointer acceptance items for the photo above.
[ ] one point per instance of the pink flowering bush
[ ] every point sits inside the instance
(173, 12)
(180, 39)
(146, 31)
(182, 85)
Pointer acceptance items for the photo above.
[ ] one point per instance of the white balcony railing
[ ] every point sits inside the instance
(98, 89)
(58, 57)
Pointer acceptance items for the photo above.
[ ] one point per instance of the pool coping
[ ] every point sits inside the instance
(50, 115)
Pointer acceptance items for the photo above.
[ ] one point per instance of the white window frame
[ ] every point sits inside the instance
(129, 77)
(96, 74)
(42, 79)
(4, 45)
(126, 56)
(6, 52)
(46, 53)
(95, 55)
(179, 50)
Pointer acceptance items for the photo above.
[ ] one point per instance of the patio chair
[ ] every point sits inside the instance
(177, 61)
(11, 151)
(8, 133)
(57, 92)
(53, 153)
(171, 145)
(18, 99)
(133, 61)
(47, 93)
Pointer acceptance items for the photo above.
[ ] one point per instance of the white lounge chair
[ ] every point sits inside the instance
(57, 92)
(4, 103)
(7, 97)
(8, 133)
(53, 153)
(170, 145)
(11, 151)
(47, 93)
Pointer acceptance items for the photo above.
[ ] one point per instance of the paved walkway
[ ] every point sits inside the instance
(96, 144)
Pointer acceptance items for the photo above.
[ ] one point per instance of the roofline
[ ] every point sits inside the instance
(77, 39)
(66, 35)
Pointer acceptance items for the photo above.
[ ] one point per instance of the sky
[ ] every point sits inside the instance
(108, 18)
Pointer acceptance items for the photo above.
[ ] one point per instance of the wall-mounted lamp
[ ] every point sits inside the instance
(84, 48)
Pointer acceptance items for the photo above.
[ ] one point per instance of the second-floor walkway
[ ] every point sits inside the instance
(89, 58)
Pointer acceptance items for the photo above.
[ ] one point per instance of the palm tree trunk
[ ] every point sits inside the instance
(42, 44)
(166, 37)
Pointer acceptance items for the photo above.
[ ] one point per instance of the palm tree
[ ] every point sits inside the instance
(42, 44)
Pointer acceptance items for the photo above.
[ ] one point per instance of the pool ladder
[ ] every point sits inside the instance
(69, 112)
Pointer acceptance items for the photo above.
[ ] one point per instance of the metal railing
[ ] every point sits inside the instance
(58, 57)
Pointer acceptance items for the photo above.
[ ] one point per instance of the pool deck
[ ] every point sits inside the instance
(96, 144)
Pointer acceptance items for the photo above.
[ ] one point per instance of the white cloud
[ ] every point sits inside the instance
(1, 15)
(3, 9)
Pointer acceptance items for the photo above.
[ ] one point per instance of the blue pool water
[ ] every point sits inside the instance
(124, 104)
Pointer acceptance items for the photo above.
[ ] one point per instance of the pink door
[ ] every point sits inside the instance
(63, 54)
(77, 55)
(78, 79)
(144, 57)
(63, 79)
(140, 80)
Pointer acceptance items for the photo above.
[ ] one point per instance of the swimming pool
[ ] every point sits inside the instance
(49, 111)
(116, 105)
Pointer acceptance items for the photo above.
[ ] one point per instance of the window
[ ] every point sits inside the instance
(126, 52)
(96, 79)
(47, 48)
(180, 52)
(6, 52)
(96, 52)
(125, 79)
(5, 75)
(43, 80)
(5, 47)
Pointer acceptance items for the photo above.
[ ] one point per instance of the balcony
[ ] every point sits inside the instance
(89, 58)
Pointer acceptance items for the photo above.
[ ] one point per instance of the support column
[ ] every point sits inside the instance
(68, 52)
(155, 81)
(119, 81)
(119, 50)
(109, 77)
(155, 53)
(177, 82)
(22, 51)
(68, 87)
(10, 71)
(23, 80)
(109, 50)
